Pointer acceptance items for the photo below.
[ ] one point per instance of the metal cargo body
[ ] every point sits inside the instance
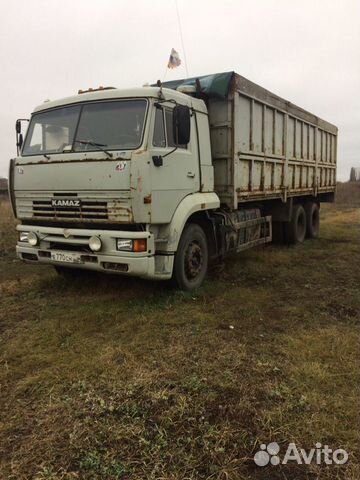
(265, 147)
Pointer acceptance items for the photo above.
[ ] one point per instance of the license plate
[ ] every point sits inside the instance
(65, 257)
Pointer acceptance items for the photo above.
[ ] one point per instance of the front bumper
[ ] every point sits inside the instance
(75, 241)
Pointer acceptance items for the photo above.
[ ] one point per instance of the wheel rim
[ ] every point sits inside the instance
(194, 260)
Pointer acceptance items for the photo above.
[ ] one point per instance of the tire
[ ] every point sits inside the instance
(191, 259)
(296, 228)
(312, 212)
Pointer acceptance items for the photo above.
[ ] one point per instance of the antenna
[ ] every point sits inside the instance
(181, 37)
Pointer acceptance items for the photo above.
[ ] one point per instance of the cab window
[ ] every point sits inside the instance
(159, 129)
(169, 128)
(163, 129)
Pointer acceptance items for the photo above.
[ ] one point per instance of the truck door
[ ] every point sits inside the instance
(178, 175)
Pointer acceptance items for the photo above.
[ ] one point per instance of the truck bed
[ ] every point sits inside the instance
(264, 147)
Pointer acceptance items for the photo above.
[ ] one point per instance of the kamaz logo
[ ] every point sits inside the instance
(65, 202)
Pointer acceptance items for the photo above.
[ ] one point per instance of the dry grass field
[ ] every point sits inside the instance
(117, 378)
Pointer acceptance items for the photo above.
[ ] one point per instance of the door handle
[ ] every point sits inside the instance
(190, 174)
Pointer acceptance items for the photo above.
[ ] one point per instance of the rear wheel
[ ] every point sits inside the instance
(312, 212)
(191, 259)
(296, 228)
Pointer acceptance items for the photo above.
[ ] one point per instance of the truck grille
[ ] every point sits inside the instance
(98, 207)
(88, 210)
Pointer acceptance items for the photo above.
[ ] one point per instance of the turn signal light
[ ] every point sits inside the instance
(140, 245)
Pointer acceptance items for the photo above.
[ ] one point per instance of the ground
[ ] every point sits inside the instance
(111, 378)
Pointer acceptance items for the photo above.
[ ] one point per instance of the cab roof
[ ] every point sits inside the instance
(116, 93)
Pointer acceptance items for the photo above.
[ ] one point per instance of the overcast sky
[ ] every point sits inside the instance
(307, 51)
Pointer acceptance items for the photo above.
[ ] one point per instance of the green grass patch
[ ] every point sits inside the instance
(114, 378)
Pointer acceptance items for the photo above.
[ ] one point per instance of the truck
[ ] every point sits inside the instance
(161, 181)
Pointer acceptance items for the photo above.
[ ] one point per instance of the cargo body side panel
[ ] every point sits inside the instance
(222, 147)
(266, 148)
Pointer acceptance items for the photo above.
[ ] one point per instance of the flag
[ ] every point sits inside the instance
(174, 59)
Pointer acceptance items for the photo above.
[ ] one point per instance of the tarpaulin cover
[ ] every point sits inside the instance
(215, 85)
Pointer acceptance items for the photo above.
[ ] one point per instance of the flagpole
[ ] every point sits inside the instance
(166, 69)
(181, 37)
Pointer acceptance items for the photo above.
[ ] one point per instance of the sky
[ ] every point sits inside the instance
(306, 51)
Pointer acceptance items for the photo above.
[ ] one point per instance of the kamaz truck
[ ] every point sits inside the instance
(159, 181)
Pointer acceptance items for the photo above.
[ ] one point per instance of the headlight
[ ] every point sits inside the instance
(124, 244)
(129, 245)
(95, 244)
(33, 239)
(23, 236)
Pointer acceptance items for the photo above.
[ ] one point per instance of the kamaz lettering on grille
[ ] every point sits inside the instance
(65, 202)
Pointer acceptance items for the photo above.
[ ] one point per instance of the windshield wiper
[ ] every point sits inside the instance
(93, 144)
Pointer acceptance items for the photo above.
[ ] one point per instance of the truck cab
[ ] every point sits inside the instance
(107, 179)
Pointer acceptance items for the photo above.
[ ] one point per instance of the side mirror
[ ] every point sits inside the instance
(181, 118)
(19, 136)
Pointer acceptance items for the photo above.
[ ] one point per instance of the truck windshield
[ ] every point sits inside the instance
(112, 125)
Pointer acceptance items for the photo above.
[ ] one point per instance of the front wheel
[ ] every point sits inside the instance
(191, 259)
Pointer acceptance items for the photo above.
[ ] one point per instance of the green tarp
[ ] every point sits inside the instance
(215, 85)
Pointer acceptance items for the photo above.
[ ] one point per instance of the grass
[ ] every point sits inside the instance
(348, 194)
(7, 230)
(118, 378)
